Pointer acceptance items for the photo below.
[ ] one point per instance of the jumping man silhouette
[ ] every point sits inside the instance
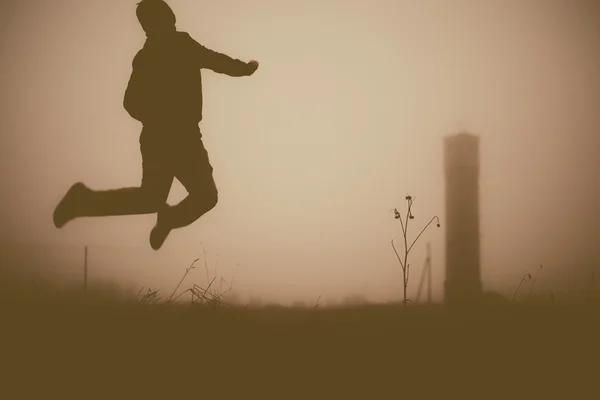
(165, 94)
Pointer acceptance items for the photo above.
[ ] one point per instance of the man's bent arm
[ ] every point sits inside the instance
(133, 101)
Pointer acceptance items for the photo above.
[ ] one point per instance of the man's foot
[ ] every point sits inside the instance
(161, 230)
(67, 209)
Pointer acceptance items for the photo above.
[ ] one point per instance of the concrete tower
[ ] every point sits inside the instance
(461, 163)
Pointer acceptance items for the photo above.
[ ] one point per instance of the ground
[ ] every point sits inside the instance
(61, 343)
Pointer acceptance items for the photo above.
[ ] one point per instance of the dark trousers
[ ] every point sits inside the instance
(176, 152)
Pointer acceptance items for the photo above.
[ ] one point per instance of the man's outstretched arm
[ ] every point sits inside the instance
(221, 63)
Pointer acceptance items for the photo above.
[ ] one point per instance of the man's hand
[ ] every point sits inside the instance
(253, 66)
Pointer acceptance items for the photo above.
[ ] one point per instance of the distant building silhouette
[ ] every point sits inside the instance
(461, 163)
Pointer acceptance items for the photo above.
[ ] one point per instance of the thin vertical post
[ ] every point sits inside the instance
(85, 269)
(428, 273)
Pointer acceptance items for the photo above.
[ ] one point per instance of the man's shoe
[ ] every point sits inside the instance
(161, 230)
(68, 207)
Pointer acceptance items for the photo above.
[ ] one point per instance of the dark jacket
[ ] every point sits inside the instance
(166, 84)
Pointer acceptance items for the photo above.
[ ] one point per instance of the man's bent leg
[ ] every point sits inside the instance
(193, 170)
(196, 174)
(193, 207)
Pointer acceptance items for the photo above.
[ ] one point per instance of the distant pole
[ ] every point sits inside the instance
(85, 269)
(428, 273)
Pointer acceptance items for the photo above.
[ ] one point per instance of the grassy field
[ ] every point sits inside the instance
(74, 347)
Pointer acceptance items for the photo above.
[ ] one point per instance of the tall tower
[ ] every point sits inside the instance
(461, 163)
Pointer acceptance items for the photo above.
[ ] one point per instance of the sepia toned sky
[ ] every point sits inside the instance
(345, 116)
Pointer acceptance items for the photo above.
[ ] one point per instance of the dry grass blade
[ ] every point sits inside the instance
(525, 278)
(138, 295)
(151, 297)
(184, 275)
(181, 294)
(534, 279)
(205, 297)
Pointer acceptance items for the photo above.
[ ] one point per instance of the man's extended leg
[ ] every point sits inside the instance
(157, 179)
(192, 168)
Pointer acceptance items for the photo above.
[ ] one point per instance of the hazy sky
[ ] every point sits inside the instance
(345, 116)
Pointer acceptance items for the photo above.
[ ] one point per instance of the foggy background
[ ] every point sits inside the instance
(344, 117)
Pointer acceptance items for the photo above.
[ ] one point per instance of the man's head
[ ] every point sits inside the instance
(155, 16)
